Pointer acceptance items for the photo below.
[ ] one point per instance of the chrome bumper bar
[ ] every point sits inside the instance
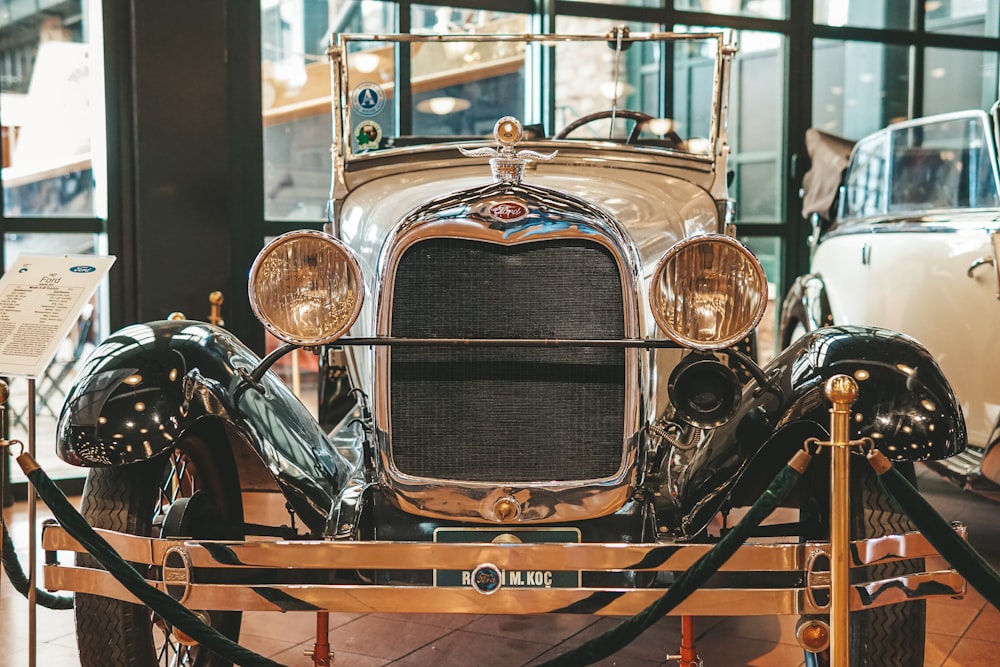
(188, 571)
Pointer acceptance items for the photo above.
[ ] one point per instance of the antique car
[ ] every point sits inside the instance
(904, 236)
(546, 323)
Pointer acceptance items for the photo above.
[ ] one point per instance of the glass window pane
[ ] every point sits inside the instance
(955, 80)
(757, 107)
(51, 387)
(894, 14)
(460, 89)
(756, 110)
(768, 9)
(430, 19)
(465, 100)
(963, 17)
(52, 109)
(757, 189)
(867, 179)
(460, 85)
(859, 87)
(693, 89)
(768, 250)
(941, 165)
(295, 91)
(627, 3)
(579, 68)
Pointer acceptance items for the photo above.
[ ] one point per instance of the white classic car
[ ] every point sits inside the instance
(905, 234)
(545, 313)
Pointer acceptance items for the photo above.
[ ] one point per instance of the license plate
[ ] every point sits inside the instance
(508, 578)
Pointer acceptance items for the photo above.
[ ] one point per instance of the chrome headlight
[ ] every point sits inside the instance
(306, 287)
(708, 292)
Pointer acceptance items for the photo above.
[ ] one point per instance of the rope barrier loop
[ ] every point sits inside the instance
(12, 566)
(19, 580)
(170, 609)
(8, 444)
(939, 533)
(186, 621)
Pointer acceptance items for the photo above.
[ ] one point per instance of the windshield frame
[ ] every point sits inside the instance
(884, 149)
(342, 50)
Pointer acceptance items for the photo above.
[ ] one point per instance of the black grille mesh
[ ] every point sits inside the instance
(507, 414)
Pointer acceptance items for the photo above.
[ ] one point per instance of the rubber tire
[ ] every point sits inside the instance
(893, 634)
(889, 635)
(112, 633)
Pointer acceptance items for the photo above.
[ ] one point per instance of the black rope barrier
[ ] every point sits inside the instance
(939, 533)
(691, 579)
(19, 580)
(942, 536)
(596, 649)
(169, 608)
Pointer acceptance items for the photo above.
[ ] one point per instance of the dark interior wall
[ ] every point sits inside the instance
(189, 211)
(180, 155)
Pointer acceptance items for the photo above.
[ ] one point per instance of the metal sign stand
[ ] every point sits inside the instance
(43, 296)
(32, 510)
(32, 538)
(4, 461)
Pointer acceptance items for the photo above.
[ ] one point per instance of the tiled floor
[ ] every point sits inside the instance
(961, 633)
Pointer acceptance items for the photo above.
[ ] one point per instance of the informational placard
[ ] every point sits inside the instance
(41, 299)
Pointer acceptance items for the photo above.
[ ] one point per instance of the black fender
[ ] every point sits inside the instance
(806, 303)
(905, 406)
(147, 385)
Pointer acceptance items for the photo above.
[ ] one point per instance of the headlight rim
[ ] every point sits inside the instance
(354, 267)
(672, 252)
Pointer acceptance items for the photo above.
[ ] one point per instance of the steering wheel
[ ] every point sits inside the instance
(629, 114)
(639, 117)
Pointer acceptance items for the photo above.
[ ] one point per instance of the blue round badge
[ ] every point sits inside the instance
(487, 579)
(368, 98)
(83, 268)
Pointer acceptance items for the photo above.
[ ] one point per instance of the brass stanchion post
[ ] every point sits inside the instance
(215, 314)
(841, 390)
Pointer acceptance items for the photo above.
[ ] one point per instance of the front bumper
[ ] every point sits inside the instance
(305, 575)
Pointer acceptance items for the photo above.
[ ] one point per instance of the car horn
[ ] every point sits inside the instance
(704, 392)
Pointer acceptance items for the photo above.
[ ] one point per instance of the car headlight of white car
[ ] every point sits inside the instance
(306, 287)
(708, 292)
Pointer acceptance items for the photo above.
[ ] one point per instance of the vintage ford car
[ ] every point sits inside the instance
(910, 244)
(546, 321)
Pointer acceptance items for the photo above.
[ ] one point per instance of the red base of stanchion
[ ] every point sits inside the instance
(321, 649)
(688, 657)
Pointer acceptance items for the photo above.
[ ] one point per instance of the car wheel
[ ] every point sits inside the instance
(893, 634)
(151, 498)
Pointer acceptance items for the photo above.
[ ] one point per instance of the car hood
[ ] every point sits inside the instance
(655, 209)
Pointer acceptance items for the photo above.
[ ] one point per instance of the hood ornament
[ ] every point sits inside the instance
(506, 163)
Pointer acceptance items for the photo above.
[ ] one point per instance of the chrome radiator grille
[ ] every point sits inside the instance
(507, 414)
